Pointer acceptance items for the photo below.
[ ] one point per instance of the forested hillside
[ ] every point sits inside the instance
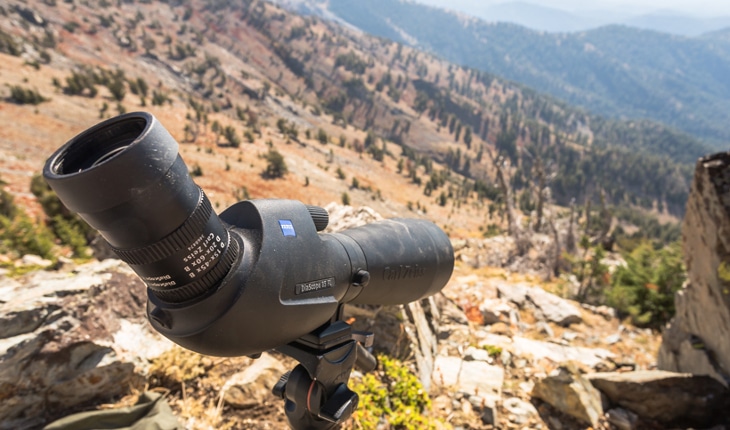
(615, 71)
(414, 108)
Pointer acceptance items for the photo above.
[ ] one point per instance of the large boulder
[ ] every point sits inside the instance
(595, 358)
(548, 307)
(571, 393)
(252, 386)
(70, 339)
(698, 338)
(673, 399)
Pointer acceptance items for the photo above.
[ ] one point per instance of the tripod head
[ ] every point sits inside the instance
(259, 277)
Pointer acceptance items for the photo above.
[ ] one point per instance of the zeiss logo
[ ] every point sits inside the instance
(287, 228)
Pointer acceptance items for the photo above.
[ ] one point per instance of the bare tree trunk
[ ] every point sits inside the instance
(606, 224)
(557, 252)
(570, 240)
(540, 191)
(506, 193)
(522, 241)
(587, 231)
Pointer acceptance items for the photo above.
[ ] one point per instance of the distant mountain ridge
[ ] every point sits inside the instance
(615, 70)
(545, 18)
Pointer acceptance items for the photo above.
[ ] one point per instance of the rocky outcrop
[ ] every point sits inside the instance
(71, 338)
(547, 306)
(673, 399)
(253, 385)
(569, 392)
(343, 217)
(697, 340)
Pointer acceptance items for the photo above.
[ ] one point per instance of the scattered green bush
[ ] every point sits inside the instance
(231, 136)
(196, 171)
(644, 289)
(275, 164)
(322, 136)
(394, 396)
(19, 234)
(492, 350)
(68, 227)
(23, 96)
(8, 44)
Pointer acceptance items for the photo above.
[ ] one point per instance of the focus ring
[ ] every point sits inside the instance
(198, 288)
(171, 243)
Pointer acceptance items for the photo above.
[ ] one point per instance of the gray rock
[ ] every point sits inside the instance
(450, 312)
(70, 339)
(569, 392)
(622, 419)
(698, 340)
(570, 335)
(547, 306)
(486, 407)
(591, 357)
(667, 397)
(604, 311)
(522, 411)
(614, 338)
(480, 378)
(545, 328)
(515, 293)
(343, 217)
(554, 308)
(523, 347)
(33, 260)
(252, 386)
(489, 415)
(472, 378)
(446, 371)
(477, 354)
(494, 310)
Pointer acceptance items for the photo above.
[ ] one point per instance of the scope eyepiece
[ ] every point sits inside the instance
(125, 178)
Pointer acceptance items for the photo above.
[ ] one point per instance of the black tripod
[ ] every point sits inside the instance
(315, 391)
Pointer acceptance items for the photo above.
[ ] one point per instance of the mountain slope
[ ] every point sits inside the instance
(376, 112)
(617, 71)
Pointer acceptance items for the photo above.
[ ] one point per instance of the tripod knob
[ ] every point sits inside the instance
(340, 405)
(280, 387)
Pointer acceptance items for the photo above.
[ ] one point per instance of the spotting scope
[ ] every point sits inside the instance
(260, 276)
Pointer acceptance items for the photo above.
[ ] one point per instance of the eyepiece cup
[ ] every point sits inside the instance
(125, 178)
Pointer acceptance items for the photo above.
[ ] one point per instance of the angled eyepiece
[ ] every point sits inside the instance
(125, 178)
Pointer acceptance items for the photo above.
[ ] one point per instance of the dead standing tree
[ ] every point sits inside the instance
(520, 235)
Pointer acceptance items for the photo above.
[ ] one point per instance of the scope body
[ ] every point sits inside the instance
(259, 276)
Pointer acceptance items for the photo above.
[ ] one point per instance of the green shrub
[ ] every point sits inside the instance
(322, 136)
(7, 205)
(65, 225)
(71, 233)
(20, 235)
(275, 164)
(393, 395)
(23, 96)
(644, 289)
(196, 171)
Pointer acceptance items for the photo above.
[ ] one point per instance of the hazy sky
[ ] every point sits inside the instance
(694, 7)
